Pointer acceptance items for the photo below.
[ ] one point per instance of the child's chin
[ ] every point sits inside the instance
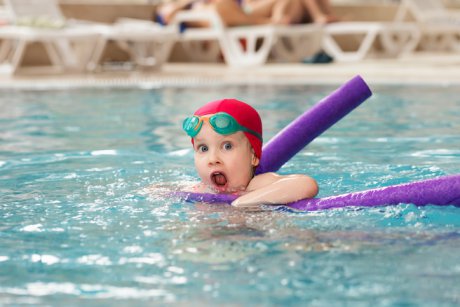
(221, 189)
(225, 189)
(232, 190)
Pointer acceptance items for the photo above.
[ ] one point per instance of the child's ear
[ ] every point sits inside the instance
(255, 161)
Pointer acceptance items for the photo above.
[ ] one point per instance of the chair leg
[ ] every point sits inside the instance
(95, 56)
(83, 49)
(435, 41)
(295, 48)
(147, 54)
(333, 49)
(398, 42)
(5, 49)
(256, 51)
(202, 51)
(366, 44)
(455, 43)
(411, 43)
(79, 53)
(164, 51)
(18, 55)
(141, 53)
(54, 54)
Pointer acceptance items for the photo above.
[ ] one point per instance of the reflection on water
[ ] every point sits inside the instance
(78, 226)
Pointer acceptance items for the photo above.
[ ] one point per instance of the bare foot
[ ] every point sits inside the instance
(324, 19)
(281, 20)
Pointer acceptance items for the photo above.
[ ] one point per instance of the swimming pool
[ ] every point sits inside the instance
(77, 226)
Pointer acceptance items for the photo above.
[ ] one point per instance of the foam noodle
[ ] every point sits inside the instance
(294, 137)
(441, 191)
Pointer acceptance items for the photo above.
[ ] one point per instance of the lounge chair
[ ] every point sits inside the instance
(148, 44)
(245, 45)
(396, 38)
(69, 45)
(295, 43)
(79, 45)
(440, 26)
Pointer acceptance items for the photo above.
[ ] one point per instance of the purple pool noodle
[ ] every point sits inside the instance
(206, 197)
(294, 137)
(441, 191)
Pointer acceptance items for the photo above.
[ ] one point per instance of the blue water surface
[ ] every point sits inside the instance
(79, 224)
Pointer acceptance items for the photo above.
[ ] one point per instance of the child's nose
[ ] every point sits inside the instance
(213, 157)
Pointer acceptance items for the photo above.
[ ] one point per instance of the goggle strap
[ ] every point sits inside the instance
(244, 129)
(196, 129)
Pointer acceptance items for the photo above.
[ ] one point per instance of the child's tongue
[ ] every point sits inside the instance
(219, 179)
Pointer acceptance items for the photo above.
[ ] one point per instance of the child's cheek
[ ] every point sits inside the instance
(201, 170)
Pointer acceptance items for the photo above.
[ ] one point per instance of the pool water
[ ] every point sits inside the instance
(79, 225)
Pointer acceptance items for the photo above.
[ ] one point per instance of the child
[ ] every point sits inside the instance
(227, 140)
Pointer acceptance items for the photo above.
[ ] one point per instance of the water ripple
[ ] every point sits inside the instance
(84, 179)
(88, 290)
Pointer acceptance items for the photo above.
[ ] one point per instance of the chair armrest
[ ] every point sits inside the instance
(209, 16)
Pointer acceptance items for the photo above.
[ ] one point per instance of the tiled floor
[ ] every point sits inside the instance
(418, 69)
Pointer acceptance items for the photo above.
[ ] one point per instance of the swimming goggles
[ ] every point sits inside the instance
(222, 123)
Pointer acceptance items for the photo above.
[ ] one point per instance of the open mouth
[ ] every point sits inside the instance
(219, 179)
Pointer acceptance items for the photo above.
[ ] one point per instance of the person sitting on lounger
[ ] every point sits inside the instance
(296, 11)
(231, 12)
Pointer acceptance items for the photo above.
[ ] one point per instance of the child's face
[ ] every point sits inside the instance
(224, 162)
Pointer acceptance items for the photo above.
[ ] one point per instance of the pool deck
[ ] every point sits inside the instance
(441, 69)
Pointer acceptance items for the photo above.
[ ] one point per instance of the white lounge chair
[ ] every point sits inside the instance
(207, 43)
(294, 43)
(396, 38)
(68, 45)
(440, 26)
(246, 45)
(79, 45)
(148, 44)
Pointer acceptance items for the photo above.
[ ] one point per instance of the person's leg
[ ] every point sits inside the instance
(262, 8)
(288, 12)
(314, 12)
(167, 11)
(327, 10)
(280, 11)
(319, 11)
(233, 15)
(325, 6)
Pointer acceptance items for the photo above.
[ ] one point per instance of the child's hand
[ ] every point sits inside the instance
(237, 203)
(240, 203)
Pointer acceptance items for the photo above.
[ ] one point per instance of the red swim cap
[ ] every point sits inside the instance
(244, 114)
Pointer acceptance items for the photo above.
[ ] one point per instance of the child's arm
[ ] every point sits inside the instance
(271, 188)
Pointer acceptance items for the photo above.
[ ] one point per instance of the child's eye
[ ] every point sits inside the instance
(202, 148)
(228, 146)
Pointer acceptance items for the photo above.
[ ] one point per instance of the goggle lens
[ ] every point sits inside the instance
(222, 123)
(191, 125)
